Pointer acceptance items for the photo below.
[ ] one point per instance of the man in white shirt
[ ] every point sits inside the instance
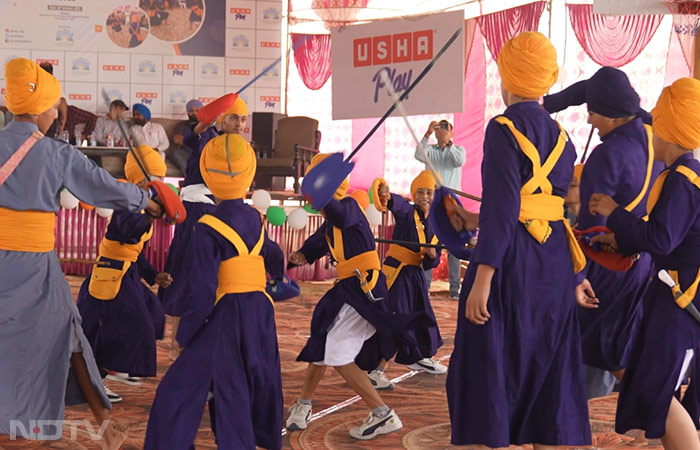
(153, 134)
(448, 160)
(108, 124)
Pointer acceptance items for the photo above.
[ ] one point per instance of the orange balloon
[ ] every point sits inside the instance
(86, 206)
(362, 198)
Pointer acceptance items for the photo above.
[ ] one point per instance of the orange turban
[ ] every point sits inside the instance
(343, 188)
(528, 65)
(239, 160)
(150, 159)
(239, 107)
(425, 179)
(675, 117)
(578, 170)
(29, 89)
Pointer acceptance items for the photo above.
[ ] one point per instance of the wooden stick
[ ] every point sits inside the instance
(588, 142)
(83, 261)
(464, 194)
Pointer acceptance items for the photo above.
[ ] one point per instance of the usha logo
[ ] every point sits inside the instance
(64, 36)
(240, 41)
(206, 100)
(271, 14)
(147, 67)
(53, 62)
(114, 94)
(269, 101)
(396, 48)
(210, 69)
(113, 68)
(85, 97)
(240, 13)
(244, 72)
(81, 65)
(178, 98)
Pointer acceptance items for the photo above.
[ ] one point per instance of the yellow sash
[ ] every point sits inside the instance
(105, 282)
(405, 256)
(650, 164)
(537, 210)
(27, 231)
(366, 262)
(244, 272)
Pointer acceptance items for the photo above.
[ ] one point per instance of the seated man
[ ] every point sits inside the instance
(145, 132)
(179, 153)
(108, 125)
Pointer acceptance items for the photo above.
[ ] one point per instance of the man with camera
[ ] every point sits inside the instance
(448, 160)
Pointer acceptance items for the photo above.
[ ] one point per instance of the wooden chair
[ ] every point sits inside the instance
(295, 144)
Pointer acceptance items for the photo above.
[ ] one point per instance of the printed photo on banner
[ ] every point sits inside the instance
(127, 26)
(174, 20)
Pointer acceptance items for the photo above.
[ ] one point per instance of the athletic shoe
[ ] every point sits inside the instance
(112, 396)
(428, 365)
(124, 378)
(380, 381)
(299, 415)
(373, 426)
(454, 295)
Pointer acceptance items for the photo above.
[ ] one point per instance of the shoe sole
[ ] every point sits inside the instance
(380, 432)
(116, 400)
(295, 427)
(384, 388)
(419, 368)
(124, 381)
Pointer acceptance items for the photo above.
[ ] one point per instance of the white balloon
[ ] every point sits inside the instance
(373, 215)
(261, 199)
(298, 218)
(68, 200)
(104, 212)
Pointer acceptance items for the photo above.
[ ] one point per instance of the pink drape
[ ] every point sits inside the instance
(469, 125)
(313, 59)
(500, 26)
(611, 40)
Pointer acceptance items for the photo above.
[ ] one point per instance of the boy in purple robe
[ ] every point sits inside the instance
(667, 347)
(404, 268)
(623, 167)
(122, 318)
(230, 355)
(515, 373)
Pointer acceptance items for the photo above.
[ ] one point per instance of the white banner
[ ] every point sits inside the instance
(403, 48)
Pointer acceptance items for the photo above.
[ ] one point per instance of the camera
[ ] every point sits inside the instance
(444, 125)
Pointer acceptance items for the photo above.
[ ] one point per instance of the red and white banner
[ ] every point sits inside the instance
(402, 48)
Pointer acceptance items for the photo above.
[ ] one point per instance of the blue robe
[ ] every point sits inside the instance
(37, 314)
(672, 237)
(230, 348)
(123, 331)
(617, 167)
(519, 378)
(178, 263)
(409, 292)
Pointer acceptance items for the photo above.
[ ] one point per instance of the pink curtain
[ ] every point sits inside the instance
(313, 59)
(469, 125)
(371, 165)
(500, 26)
(611, 40)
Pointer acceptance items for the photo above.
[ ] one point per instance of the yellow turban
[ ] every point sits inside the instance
(29, 89)
(150, 159)
(578, 170)
(343, 188)
(675, 117)
(240, 160)
(425, 179)
(239, 107)
(528, 65)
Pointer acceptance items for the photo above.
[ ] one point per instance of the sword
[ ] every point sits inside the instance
(365, 289)
(665, 277)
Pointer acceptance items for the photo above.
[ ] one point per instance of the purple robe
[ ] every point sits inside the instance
(230, 348)
(672, 237)
(519, 378)
(617, 167)
(178, 263)
(123, 331)
(357, 238)
(409, 292)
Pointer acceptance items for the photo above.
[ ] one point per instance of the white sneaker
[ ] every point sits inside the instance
(112, 396)
(428, 365)
(373, 426)
(299, 415)
(380, 381)
(124, 378)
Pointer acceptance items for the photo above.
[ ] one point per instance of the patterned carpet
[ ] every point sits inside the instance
(419, 399)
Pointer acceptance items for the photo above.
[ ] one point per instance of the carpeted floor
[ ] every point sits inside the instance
(419, 398)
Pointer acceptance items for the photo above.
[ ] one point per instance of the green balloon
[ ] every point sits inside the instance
(309, 209)
(371, 195)
(276, 215)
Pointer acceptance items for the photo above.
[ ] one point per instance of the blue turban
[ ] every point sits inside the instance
(143, 110)
(191, 103)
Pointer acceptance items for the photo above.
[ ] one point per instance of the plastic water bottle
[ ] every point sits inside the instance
(110, 140)
(78, 138)
(65, 136)
(93, 139)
